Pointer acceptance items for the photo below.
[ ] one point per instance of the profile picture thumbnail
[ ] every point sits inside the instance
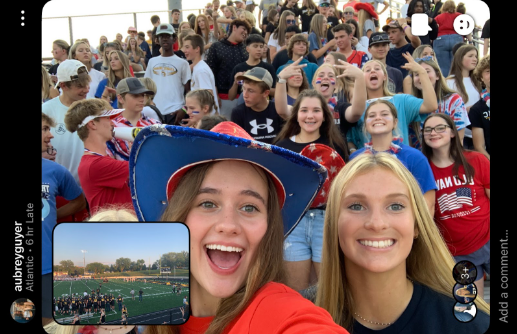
(464, 272)
(22, 310)
(465, 312)
(465, 293)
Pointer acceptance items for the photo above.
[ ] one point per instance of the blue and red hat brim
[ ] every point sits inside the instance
(160, 150)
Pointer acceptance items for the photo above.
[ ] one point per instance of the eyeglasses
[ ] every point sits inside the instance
(348, 13)
(438, 129)
(51, 150)
(291, 21)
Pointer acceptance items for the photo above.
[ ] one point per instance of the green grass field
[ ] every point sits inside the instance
(156, 297)
(179, 272)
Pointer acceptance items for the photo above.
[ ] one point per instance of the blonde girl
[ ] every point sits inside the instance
(48, 91)
(277, 42)
(423, 51)
(119, 68)
(319, 46)
(183, 26)
(199, 103)
(380, 241)
(229, 15)
(345, 84)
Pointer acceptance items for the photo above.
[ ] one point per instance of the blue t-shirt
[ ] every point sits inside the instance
(56, 180)
(408, 110)
(416, 163)
(395, 58)
(100, 90)
(430, 312)
(313, 45)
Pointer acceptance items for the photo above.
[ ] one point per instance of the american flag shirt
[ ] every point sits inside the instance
(119, 148)
(462, 208)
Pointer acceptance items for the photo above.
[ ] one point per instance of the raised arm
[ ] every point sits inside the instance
(430, 102)
(281, 106)
(355, 111)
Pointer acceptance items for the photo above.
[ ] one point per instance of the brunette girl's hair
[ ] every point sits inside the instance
(305, 83)
(279, 33)
(205, 97)
(327, 130)
(139, 52)
(455, 151)
(456, 71)
(125, 63)
(267, 264)
(440, 88)
(356, 25)
(271, 15)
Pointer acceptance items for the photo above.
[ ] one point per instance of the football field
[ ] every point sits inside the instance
(157, 296)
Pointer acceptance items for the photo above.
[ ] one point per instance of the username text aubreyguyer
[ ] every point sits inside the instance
(23, 258)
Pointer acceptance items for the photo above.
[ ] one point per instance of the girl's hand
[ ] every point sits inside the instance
(292, 69)
(412, 65)
(349, 70)
(354, 41)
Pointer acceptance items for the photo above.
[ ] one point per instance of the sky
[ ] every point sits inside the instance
(106, 242)
(94, 27)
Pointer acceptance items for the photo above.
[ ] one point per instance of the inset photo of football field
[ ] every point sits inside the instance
(120, 273)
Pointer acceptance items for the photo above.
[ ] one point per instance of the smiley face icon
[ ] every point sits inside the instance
(463, 24)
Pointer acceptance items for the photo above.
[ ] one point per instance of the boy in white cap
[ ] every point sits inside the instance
(170, 73)
(74, 81)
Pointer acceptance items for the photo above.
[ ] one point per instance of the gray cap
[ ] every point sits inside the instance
(132, 86)
(258, 74)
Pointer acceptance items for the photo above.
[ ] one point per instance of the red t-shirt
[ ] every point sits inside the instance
(462, 210)
(446, 23)
(275, 308)
(105, 181)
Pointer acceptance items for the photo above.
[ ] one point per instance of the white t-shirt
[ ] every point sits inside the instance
(170, 75)
(149, 112)
(96, 78)
(273, 42)
(69, 147)
(203, 78)
(472, 93)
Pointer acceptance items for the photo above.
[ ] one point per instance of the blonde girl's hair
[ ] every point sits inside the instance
(81, 109)
(46, 83)
(114, 213)
(138, 50)
(417, 53)
(250, 17)
(184, 34)
(151, 85)
(271, 15)
(362, 17)
(440, 87)
(73, 48)
(266, 265)
(231, 9)
(205, 33)
(385, 89)
(448, 7)
(334, 293)
(316, 27)
(310, 4)
(456, 71)
(279, 33)
(182, 23)
(205, 97)
(334, 70)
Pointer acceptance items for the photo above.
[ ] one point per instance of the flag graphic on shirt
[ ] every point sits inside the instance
(455, 200)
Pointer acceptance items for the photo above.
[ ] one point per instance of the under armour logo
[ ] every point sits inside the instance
(262, 126)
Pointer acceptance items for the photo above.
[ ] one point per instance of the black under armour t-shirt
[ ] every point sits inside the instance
(263, 126)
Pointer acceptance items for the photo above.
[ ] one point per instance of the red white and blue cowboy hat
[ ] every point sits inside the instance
(162, 154)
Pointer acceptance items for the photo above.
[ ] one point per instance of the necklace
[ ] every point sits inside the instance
(373, 322)
(379, 323)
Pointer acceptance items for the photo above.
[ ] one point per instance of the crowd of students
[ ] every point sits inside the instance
(316, 84)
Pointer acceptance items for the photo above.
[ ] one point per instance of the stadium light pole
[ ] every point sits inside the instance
(84, 261)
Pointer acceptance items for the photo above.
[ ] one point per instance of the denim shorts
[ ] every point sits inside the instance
(480, 258)
(306, 240)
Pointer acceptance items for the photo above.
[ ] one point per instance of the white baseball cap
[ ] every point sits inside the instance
(67, 71)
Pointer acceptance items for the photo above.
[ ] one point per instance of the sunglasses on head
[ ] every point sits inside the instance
(381, 37)
(324, 4)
